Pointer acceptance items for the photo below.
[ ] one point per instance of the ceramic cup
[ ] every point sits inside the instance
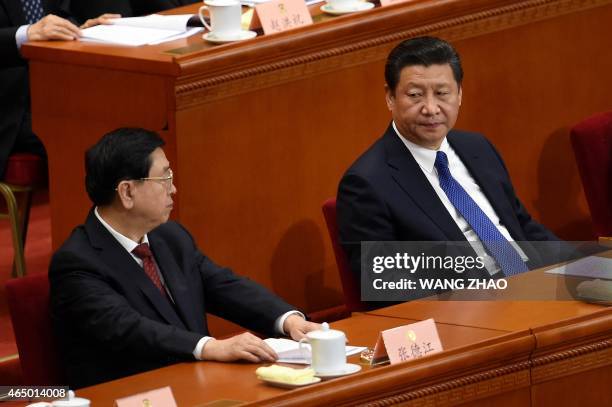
(224, 17)
(71, 401)
(343, 4)
(328, 349)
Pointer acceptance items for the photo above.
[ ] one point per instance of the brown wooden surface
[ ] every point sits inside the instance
(547, 358)
(200, 382)
(260, 132)
(530, 300)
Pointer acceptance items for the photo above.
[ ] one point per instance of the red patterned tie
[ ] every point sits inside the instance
(143, 252)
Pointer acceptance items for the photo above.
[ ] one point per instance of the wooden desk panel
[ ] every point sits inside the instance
(554, 364)
(260, 132)
(501, 315)
(200, 382)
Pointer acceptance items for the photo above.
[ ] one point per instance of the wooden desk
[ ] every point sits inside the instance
(197, 383)
(260, 132)
(560, 363)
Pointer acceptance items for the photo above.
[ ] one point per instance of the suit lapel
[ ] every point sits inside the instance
(126, 269)
(481, 172)
(175, 281)
(407, 173)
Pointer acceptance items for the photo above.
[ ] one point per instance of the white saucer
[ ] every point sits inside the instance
(243, 35)
(348, 369)
(360, 6)
(287, 385)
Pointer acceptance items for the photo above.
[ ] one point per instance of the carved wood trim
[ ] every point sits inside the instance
(572, 361)
(465, 389)
(198, 89)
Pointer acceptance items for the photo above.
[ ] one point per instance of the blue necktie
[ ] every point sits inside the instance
(502, 251)
(32, 10)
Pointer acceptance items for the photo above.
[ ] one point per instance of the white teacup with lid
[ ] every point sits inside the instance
(71, 401)
(328, 349)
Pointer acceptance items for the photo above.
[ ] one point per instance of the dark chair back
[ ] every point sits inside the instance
(28, 301)
(592, 143)
(350, 287)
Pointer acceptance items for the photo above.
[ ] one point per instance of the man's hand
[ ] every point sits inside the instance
(296, 327)
(52, 27)
(103, 19)
(245, 346)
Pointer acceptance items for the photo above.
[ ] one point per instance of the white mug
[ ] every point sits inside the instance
(328, 349)
(343, 4)
(225, 17)
(71, 401)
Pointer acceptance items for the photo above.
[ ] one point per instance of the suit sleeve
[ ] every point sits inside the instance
(9, 54)
(361, 216)
(95, 309)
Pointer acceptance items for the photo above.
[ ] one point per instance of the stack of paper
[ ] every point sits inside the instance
(289, 351)
(135, 31)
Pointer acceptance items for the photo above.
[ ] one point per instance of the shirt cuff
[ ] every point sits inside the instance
(197, 352)
(21, 35)
(280, 321)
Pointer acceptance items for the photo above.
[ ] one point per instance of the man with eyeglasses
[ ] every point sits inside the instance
(130, 290)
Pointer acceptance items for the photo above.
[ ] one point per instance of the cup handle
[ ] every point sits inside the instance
(300, 342)
(202, 18)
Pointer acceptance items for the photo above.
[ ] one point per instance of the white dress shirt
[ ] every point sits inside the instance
(426, 159)
(129, 245)
(21, 35)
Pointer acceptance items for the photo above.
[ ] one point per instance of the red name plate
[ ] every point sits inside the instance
(282, 15)
(384, 3)
(157, 397)
(407, 342)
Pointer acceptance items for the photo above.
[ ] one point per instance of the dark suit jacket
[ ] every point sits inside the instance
(384, 196)
(111, 321)
(85, 9)
(15, 122)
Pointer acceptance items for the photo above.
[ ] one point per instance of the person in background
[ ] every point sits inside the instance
(425, 181)
(130, 290)
(21, 21)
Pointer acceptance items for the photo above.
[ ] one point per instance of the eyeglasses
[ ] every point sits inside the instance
(166, 180)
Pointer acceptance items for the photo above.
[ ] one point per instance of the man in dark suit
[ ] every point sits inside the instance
(130, 290)
(21, 21)
(424, 181)
(18, 23)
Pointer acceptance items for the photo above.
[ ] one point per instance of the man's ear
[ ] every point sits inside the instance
(125, 193)
(389, 97)
(460, 94)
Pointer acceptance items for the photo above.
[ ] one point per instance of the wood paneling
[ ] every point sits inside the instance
(260, 132)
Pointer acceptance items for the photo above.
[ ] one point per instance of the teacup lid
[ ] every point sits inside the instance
(72, 401)
(325, 333)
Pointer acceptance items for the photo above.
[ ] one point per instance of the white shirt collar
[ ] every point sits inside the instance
(127, 243)
(425, 157)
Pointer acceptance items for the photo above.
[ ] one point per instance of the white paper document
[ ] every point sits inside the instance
(289, 351)
(136, 31)
(592, 267)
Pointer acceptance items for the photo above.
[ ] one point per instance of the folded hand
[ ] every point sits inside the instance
(245, 346)
(52, 27)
